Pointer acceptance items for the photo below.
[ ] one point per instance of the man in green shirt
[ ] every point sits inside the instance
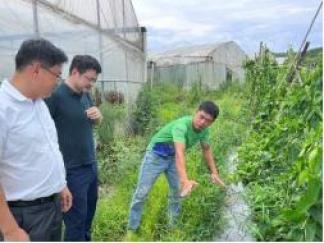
(166, 153)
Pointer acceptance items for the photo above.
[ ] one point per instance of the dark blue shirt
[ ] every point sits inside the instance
(74, 129)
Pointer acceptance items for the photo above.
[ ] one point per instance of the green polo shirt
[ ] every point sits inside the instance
(73, 127)
(182, 131)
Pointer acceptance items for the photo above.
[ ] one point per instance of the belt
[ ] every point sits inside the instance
(35, 202)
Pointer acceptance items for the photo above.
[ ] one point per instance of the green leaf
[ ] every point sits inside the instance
(295, 235)
(310, 197)
(315, 161)
(310, 232)
(293, 215)
(316, 213)
(303, 177)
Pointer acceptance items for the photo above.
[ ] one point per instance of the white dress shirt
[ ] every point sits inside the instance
(31, 164)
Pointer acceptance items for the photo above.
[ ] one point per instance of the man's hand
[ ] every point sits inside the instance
(94, 113)
(8, 225)
(66, 199)
(216, 180)
(17, 234)
(187, 186)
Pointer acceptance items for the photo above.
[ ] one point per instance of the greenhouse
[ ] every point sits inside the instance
(107, 30)
(201, 143)
(208, 66)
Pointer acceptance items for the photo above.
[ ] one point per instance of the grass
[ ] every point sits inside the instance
(201, 216)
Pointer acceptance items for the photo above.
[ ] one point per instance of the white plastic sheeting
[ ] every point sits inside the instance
(105, 29)
(208, 66)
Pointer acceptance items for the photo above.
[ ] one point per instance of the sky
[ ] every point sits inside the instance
(278, 23)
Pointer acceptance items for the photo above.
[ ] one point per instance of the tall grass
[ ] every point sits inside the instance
(201, 213)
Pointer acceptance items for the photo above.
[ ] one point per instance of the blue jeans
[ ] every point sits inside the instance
(83, 184)
(152, 166)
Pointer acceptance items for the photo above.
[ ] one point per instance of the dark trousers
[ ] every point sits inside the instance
(42, 221)
(83, 184)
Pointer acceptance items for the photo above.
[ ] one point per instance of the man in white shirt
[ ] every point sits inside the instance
(33, 191)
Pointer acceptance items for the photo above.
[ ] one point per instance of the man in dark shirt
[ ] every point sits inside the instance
(74, 115)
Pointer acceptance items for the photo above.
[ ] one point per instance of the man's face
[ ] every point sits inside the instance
(202, 120)
(47, 79)
(86, 80)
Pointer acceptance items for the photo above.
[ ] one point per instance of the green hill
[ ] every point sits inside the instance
(313, 56)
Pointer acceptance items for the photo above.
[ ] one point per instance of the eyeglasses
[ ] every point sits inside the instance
(58, 76)
(92, 80)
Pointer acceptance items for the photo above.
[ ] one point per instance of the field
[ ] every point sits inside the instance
(274, 124)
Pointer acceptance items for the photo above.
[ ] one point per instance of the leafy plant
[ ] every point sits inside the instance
(281, 159)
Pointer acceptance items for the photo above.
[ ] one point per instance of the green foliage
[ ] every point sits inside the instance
(112, 115)
(120, 161)
(313, 56)
(280, 157)
(119, 180)
(155, 107)
(280, 162)
(261, 76)
(106, 132)
(117, 157)
(196, 93)
(144, 112)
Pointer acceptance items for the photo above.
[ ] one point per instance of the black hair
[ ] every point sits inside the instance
(83, 63)
(209, 107)
(39, 50)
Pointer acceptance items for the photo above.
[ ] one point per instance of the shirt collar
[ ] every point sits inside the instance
(71, 91)
(12, 91)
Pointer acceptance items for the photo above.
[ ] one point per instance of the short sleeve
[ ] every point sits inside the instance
(3, 133)
(179, 134)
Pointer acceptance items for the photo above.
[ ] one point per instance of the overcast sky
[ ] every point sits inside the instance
(278, 23)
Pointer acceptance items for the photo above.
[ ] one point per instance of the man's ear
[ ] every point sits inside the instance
(75, 72)
(36, 66)
(33, 69)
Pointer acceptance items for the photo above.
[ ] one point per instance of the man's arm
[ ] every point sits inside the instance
(8, 225)
(180, 162)
(211, 164)
(186, 184)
